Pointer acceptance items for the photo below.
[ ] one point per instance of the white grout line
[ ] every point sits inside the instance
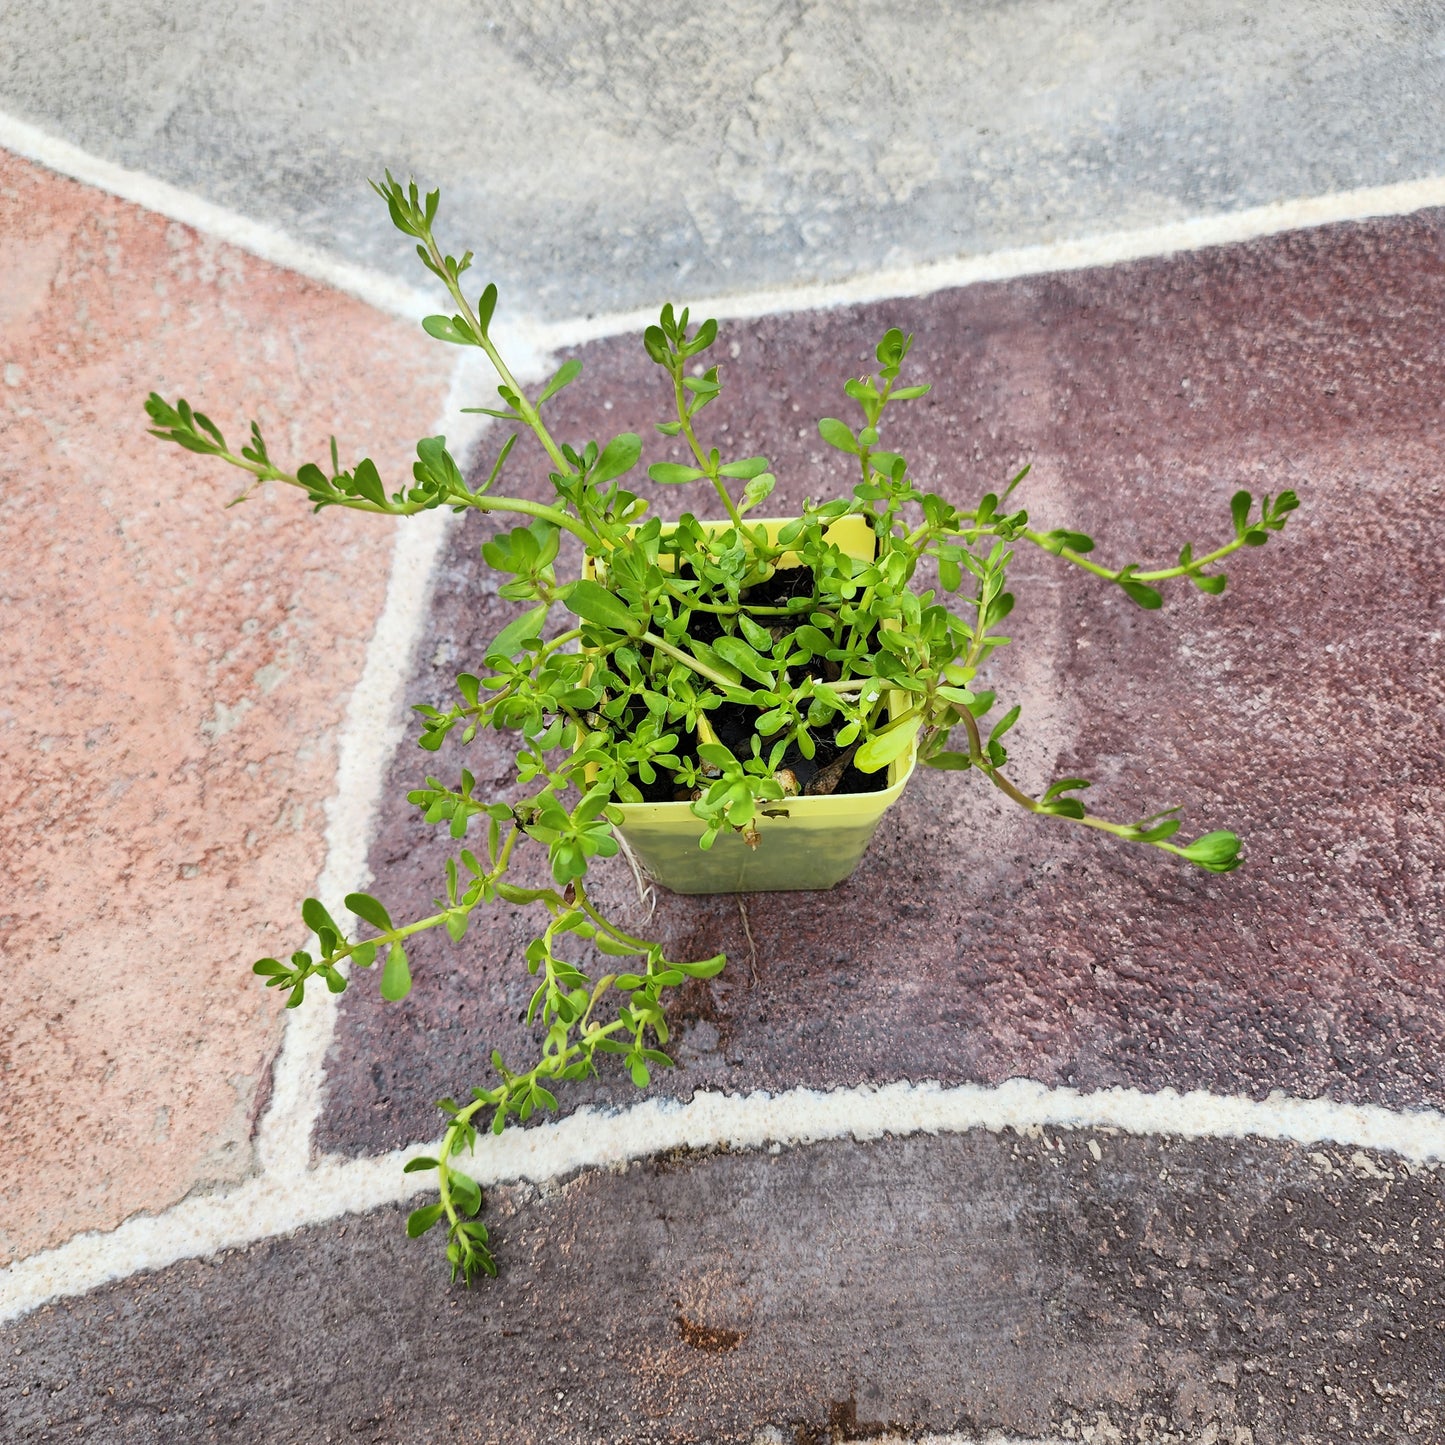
(1107, 248)
(277, 1203)
(374, 287)
(370, 734)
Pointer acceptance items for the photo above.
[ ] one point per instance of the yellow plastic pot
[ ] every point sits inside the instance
(804, 843)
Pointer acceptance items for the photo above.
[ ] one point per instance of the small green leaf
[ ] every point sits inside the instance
(748, 469)
(742, 657)
(882, 748)
(448, 328)
(1063, 808)
(669, 474)
(998, 609)
(758, 637)
(366, 908)
(961, 695)
(1005, 723)
(1061, 537)
(949, 762)
(316, 917)
(618, 458)
(1160, 831)
(814, 639)
(713, 660)
(466, 1192)
(837, 434)
(395, 975)
(1217, 852)
(1239, 505)
(706, 968)
(421, 1220)
(486, 305)
(415, 1166)
(593, 603)
(1146, 597)
(518, 632)
(569, 371)
(367, 482)
(758, 490)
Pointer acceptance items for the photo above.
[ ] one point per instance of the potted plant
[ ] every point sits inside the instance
(738, 700)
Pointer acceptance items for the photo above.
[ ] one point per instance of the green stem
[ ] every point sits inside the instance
(679, 393)
(687, 659)
(621, 936)
(548, 1067)
(1161, 574)
(525, 409)
(489, 503)
(555, 515)
(995, 775)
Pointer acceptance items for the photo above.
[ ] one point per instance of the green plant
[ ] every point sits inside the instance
(674, 628)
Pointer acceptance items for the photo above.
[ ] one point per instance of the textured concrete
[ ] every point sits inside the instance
(599, 157)
(1303, 707)
(1093, 1289)
(173, 677)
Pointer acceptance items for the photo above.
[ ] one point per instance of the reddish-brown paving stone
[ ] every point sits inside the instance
(1303, 708)
(173, 676)
(1139, 1291)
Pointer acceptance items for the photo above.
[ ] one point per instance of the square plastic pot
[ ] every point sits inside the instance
(804, 843)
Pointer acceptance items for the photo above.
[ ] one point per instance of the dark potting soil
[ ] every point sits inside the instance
(735, 723)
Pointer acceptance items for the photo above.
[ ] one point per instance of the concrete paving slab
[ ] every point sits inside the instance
(1099, 1289)
(172, 676)
(603, 157)
(1303, 707)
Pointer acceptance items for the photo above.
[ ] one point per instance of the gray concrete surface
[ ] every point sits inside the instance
(604, 156)
(1102, 1291)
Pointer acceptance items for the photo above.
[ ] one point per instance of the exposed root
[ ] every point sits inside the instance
(748, 934)
(646, 893)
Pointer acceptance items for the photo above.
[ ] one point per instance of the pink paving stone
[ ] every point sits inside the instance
(172, 678)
